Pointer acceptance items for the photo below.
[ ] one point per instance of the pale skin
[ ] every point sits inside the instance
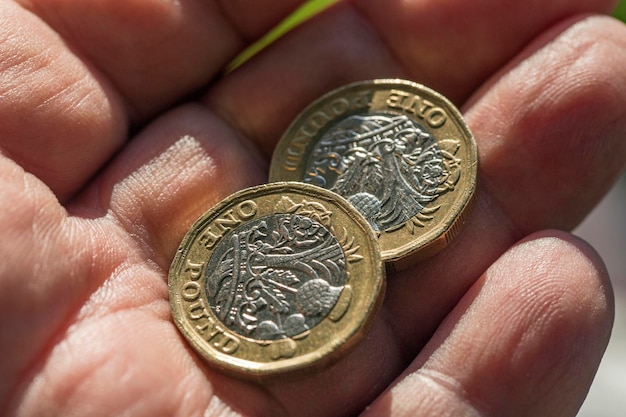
(118, 128)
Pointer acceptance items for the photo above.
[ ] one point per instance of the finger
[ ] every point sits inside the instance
(157, 52)
(57, 119)
(174, 170)
(75, 75)
(525, 340)
(529, 179)
(547, 112)
(442, 46)
(45, 261)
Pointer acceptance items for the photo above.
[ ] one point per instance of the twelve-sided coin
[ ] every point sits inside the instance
(398, 151)
(277, 279)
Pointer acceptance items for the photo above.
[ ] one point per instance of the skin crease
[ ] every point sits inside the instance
(119, 129)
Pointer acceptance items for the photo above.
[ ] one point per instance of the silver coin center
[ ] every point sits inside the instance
(277, 276)
(388, 166)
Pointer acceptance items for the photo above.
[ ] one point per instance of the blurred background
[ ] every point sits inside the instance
(604, 228)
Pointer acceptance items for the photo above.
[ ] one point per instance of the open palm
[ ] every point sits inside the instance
(118, 128)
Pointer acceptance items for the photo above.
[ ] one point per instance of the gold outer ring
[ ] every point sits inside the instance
(437, 224)
(344, 325)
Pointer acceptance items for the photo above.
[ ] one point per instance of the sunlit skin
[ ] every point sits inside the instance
(119, 127)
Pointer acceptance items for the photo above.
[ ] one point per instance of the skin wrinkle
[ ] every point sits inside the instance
(41, 86)
(447, 385)
(585, 56)
(15, 60)
(188, 397)
(185, 153)
(195, 157)
(53, 17)
(544, 41)
(46, 221)
(107, 364)
(126, 288)
(38, 69)
(218, 408)
(84, 96)
(228, 120)
(580, 67)
(541, 310)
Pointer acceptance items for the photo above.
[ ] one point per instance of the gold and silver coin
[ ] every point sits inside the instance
(276, 279)
(396, 150)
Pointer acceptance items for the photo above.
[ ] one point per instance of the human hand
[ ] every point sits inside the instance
(91, 215)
